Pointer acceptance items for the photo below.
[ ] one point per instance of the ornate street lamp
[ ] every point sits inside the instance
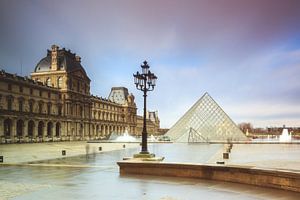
(145, 82)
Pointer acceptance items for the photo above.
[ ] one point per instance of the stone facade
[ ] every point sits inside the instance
(55, 104)
(152, 121)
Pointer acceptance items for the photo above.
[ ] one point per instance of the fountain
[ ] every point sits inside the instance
(152, 138)
(125, 138)
(285, 136)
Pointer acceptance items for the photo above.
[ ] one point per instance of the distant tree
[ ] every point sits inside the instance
(244, 126)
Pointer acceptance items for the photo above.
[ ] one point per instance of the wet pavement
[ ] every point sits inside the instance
(22, 153)
(277, 156)
(97, 177)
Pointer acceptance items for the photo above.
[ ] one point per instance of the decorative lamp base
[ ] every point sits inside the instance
(144, 157)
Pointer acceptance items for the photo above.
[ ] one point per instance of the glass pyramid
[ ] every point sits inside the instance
(205, 121)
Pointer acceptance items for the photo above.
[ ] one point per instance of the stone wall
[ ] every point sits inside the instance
(279, 179)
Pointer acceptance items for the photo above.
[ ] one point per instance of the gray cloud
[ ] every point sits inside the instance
(239, 51)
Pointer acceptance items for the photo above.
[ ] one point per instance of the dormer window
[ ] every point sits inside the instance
(48, 82)
(59, 82)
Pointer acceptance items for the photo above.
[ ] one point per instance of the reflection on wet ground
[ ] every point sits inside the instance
(192, 153)
(102, 181)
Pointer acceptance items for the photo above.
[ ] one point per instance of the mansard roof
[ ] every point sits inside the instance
(67, 61)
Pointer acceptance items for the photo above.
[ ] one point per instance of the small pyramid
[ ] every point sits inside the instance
(205, 121)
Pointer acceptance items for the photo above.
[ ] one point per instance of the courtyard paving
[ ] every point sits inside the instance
(96, 176)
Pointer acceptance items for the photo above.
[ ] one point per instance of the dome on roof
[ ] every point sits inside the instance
(65, 61)
(43, 65)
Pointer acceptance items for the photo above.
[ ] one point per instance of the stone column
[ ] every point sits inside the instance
(45, 132)
(1, 129)
(25, 131)
(68, 129)
(84, 130)
(13, 129)
(34, 131)
(63, 129)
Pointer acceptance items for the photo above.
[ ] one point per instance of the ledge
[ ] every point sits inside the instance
(279, 179)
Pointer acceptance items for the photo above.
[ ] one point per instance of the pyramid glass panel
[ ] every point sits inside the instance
(205, 121)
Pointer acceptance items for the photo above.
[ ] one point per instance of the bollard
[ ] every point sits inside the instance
(225, 155)
(63, 152)
(1, 159)
(100, 148)
(124, 146)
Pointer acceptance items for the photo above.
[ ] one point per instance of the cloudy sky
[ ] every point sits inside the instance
(244, 53)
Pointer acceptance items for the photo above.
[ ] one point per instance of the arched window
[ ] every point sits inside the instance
(49, 129)
(20, 128)
(59, 82)
(57, 129)
(48, 82)
(40, 129)
(30, 128)
(7, 128)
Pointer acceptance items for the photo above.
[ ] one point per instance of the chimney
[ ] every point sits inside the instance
(78, 58)
(54, 59)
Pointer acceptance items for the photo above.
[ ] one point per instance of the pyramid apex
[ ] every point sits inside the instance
(206, 94)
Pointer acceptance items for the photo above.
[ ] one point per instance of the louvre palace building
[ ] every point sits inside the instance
(55, 104)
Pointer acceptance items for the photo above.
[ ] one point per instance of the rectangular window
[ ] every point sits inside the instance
(9, 104)
(49, 109)
(20, 106)
(41, 93)
(9, 86)
(31, 91)
(21, 89)
(40, 108)
(30, 107)
(59, 110)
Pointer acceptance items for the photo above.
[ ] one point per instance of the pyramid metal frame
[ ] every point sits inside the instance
(194, 136)
(208, 122)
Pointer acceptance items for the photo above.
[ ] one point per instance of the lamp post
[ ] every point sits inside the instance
(145, 82)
